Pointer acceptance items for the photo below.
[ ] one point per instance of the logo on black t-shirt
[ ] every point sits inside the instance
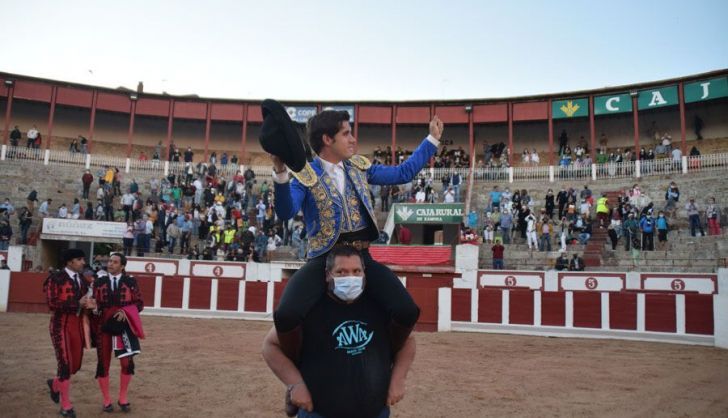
(353, 337)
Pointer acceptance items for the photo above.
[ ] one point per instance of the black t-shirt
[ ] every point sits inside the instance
(346, 358)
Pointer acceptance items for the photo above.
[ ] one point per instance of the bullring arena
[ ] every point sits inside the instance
(633, 334)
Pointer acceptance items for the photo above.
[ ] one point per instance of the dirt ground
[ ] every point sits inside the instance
(213, 368)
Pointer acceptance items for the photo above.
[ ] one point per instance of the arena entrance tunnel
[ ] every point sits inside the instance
(60, 234)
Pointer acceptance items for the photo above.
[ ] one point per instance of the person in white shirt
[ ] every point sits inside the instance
(535, 159)
(531, 235)
(676, 156)
(584, 208)
(32, 136)
(127, 203)
(420, 196)
(260, 217)
(525, 157)
(449, 196)
(63, 211)
(44, 208)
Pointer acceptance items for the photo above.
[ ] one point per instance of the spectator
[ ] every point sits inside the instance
(385, 191)
(449, 196)
(672, 196)
(562, 263)
(455, 182)
(712, 213)
(531, 234)
(88, 213)
(76, 209)
(613, 236)
(44, 209)
(84, 144)
(535, 159)
(140, 228)
(498, 251)
(647, 225)
(549, 203)
(586, 231)
(6, 233)
(25, 219)
(662, 228)
(173, 233)
(7, 208)
(698, 127)
(495, 198)
(545, 242)
(128, 239)
(404, 235)
(506, 223)
(693, 213)
(32, 136)
(488, 229)
(602, 210)
(563, 141)
(15, 136)
(576, 263)
(676, 158)
(525, 157)
(86, 179)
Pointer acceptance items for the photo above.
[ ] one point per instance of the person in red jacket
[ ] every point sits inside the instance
(498, 250)
(87, 179)
(66, 296)
(404, 236)
(112, 293)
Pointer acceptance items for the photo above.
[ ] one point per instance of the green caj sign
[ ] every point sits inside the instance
(569, 108)
(428, 213)
(614, 103)
(706, 90)
(654, 98)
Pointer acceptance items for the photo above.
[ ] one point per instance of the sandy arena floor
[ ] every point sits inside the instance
(213, 368)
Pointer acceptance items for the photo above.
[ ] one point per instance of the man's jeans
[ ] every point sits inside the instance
(695, 224)
(506, 232)
(498, 263)
(584, 238)
(545, 242)
(4, 245)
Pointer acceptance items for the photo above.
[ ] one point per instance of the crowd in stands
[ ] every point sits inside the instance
(570, 216)
(199, 214)
(446, 158)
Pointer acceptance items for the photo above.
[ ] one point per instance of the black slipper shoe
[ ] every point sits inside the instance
(55, 396)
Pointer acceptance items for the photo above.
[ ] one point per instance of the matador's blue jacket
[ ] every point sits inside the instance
(326, 212)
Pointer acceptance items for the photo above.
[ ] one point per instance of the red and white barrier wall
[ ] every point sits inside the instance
(684, 308)
(681, 308)
(173, 288)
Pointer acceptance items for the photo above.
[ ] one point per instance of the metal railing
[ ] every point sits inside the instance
(530, 173)
(612, 170)
(608, 170)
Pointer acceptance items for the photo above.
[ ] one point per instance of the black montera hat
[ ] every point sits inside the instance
(70, 254)
(279, 136)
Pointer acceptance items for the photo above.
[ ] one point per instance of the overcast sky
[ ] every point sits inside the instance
(363, 50)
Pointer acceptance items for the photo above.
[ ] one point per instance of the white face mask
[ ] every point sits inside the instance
(348, 288)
